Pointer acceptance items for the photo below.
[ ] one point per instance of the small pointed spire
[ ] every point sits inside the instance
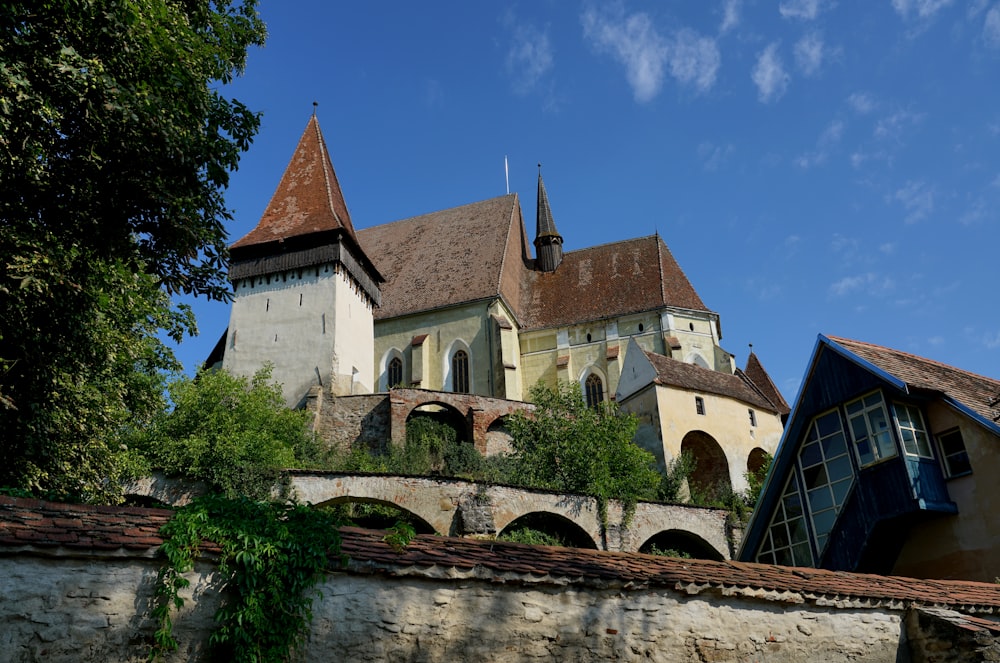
(315, 105)
(548, 241)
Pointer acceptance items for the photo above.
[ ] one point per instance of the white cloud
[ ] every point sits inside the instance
(891, 127)
(730, 15)
(992, 341)
(861, 102)
(809, 53)
(991, 27)
(694, 59)
(769, 75)
(870, 282)
(919, 8)
(634, 41)
(529, 58)
(829, 138)
(917, 199)
(888, 248)
(806, 10)
(713, 156)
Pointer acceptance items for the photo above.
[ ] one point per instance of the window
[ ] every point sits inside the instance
(394, 373)
(594, 390)
(787, 541)
(870, 429)
(953, 453)
(753, 417)
(912, 431)
(699, 405)
(827, 474)
(460, 372)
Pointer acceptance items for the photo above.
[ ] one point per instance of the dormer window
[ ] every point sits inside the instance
(953, 454)
(916, 442)
(870, 429)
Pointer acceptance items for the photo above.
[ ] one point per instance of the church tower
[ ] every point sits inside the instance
(304, 290)
(548, 241)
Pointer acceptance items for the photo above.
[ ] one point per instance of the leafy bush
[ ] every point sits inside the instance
(532, 536)
(566, 446)
(232, 432)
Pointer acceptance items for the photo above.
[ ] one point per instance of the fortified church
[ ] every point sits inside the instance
(454, 301)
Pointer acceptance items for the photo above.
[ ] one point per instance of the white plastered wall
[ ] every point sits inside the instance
(314, 325)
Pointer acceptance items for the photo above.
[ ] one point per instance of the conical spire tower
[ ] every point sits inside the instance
(548, 241)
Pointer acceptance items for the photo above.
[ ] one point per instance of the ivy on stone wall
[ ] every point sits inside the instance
(272, 554)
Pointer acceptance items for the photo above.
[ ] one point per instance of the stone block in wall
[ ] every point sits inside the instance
(476, 514)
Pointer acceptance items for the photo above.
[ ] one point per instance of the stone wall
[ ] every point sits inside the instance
(97, 610)
(76, 584)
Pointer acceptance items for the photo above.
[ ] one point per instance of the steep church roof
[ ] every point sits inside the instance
(457, 255)
(760, 378)
(308, 199)
(606, 281)
(673, 373)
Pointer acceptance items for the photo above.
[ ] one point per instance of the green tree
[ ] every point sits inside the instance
(232, 432)
(115, 149)
(566, 446)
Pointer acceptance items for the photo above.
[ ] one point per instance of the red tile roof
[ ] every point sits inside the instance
(308, 198)
(631, 276)
(673, 373)
(449, 257)
(977, 392)
(35, 526)
(760, 378)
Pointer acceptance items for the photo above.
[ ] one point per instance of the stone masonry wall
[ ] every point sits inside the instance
(77, 610)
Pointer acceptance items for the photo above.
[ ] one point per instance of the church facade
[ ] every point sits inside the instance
(461, 300)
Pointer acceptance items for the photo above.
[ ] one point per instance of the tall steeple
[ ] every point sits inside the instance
(548, 241)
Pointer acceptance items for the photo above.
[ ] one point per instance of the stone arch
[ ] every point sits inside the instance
(756, 460)
(383, 367)
(498, 438)
(683, 542)
(696, 359)
(445, 414)
(446, 367)
(555, 524)
(419, 524)
(586, 374)
(710, 477)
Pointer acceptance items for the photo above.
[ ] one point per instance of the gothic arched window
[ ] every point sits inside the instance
(460, 372)
(595, 390)
(394, 373)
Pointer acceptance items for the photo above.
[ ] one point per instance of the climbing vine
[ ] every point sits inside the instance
(271, 555)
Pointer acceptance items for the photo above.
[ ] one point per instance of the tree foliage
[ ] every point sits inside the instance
(566, 446)
(231, 432)
(115, 149)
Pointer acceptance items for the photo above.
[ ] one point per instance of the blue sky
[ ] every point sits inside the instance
(815, 166)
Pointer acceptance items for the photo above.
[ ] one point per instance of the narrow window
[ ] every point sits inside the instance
(460, 372)
(953, 453)
(753, 417)
(699, 405)
(595, 390)
(870, 429)
(395, 372)
(267, 304)
(911, 430)
(827, 473)
(787, 540)
(300, 299)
